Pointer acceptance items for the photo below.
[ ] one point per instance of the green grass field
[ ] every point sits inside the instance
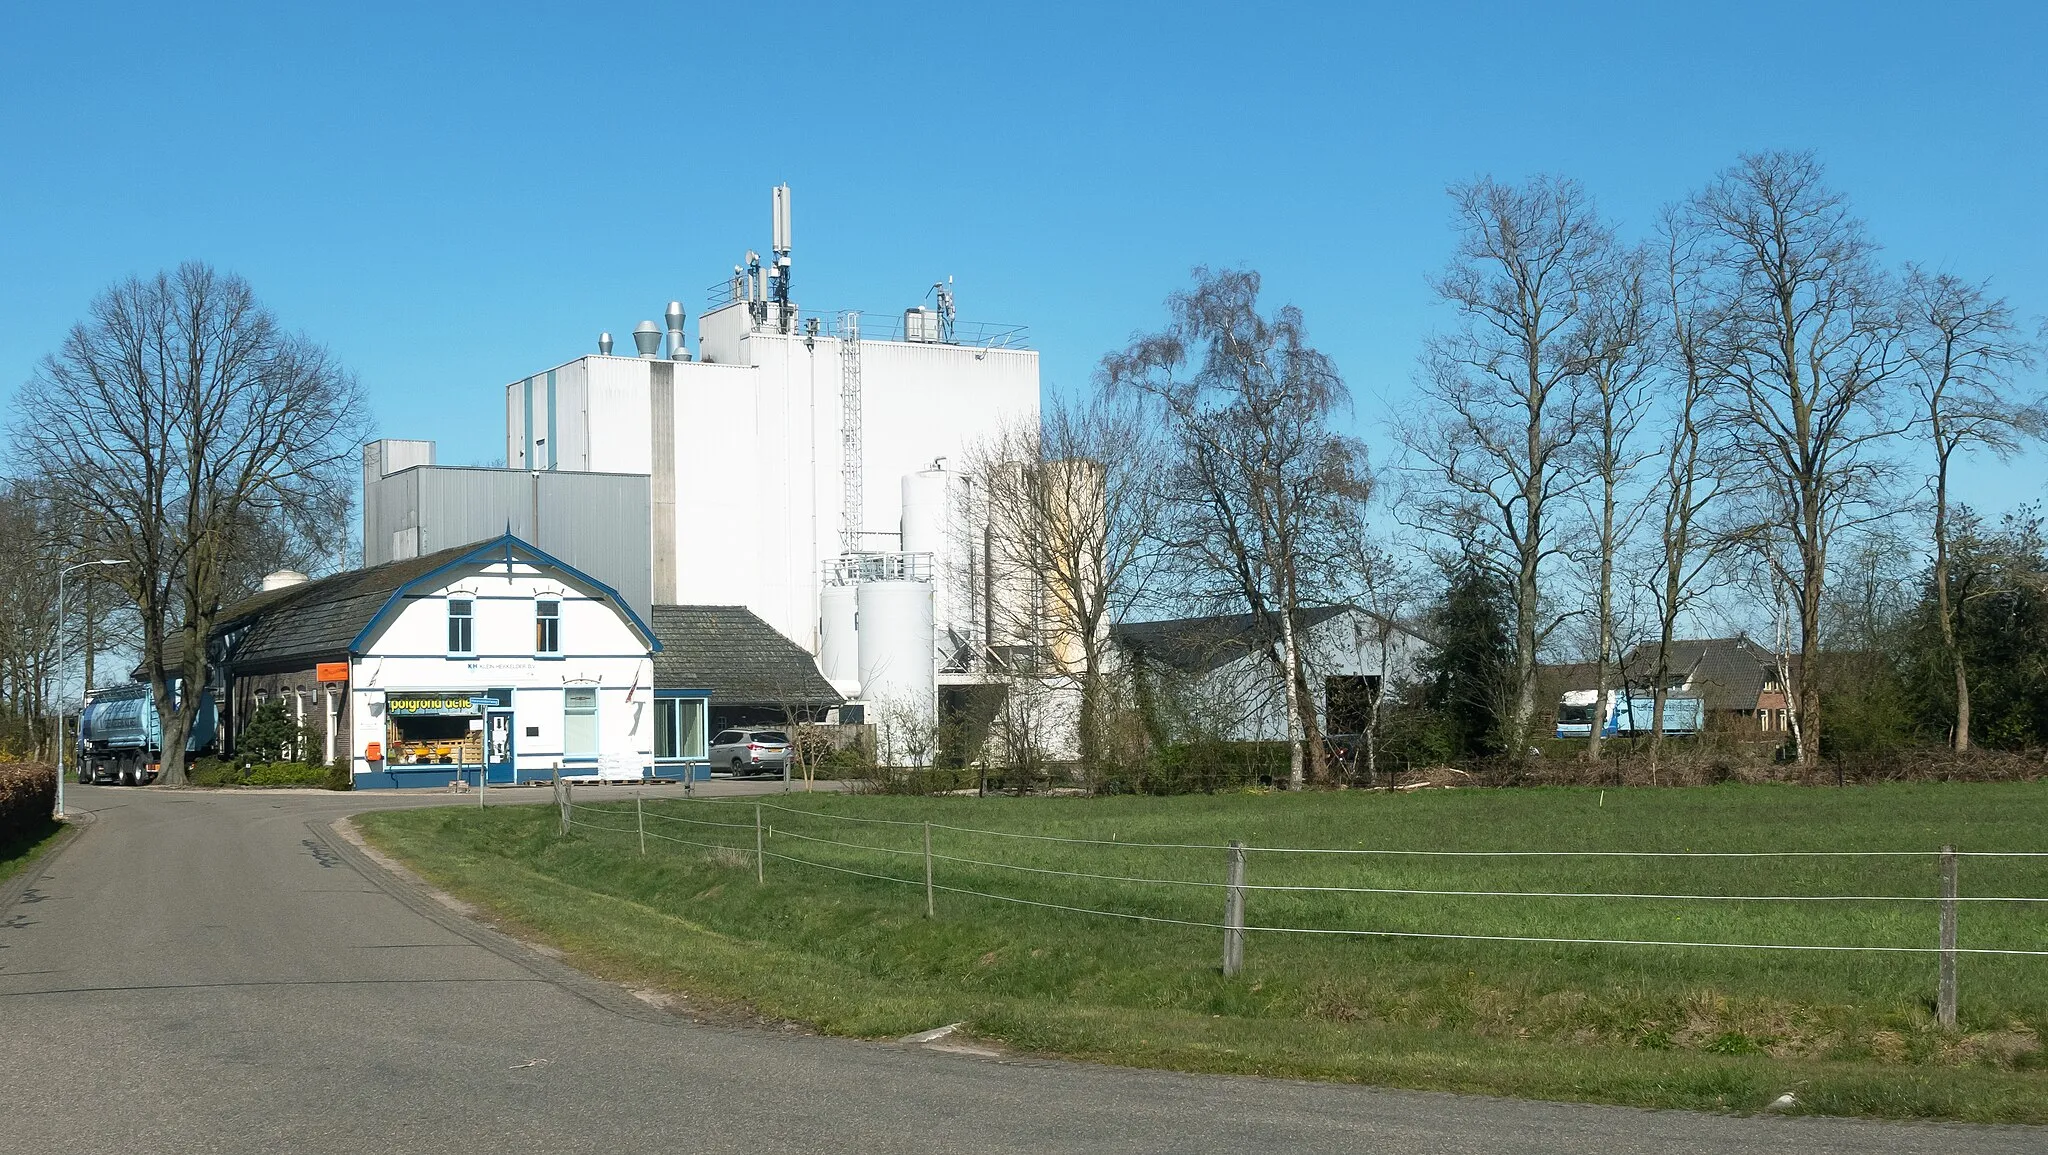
(1650, 1025)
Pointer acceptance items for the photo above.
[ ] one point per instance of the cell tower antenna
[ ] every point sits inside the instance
(852, 498)
(779, 269)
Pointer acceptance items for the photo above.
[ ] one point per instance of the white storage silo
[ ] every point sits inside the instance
(897, 675)
(935, 517)
(925, 497)
(838, 647)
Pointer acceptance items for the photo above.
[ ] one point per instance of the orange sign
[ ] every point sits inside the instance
(331, 671)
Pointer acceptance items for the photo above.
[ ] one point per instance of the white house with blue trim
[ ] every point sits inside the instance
(491, 659)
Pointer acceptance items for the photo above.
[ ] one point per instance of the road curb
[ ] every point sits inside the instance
(445, 911)
(75, 826)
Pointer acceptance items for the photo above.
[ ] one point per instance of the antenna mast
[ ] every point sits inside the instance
(852, 500)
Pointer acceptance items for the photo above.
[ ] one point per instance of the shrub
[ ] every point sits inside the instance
(270, 736)
(285, 774)
(213, 772)
(28, 793)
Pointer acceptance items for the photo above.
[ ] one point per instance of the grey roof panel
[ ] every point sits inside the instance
(1198, 645)
(741, 659)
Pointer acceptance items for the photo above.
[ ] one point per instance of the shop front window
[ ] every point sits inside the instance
(579, 722)
(547, 626)
(461, 627)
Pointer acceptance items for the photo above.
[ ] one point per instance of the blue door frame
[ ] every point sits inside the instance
(499, 746)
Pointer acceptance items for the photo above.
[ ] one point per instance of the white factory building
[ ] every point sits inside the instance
(796, 465)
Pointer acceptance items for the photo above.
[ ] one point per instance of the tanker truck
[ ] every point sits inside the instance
(120, 736)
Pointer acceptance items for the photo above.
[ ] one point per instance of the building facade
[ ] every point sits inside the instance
(490, 661)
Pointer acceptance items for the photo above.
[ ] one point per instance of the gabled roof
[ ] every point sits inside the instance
(335, 615)
(1199, 645)
(741, 659)
(1726, 673)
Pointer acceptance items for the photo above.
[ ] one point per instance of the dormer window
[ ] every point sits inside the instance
(461, 627)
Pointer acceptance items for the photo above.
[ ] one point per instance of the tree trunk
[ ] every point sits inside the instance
(1288, 656)
(1943, 605)
(1605, 630)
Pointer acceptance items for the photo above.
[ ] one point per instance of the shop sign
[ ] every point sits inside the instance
(331, 672)
(422, 705)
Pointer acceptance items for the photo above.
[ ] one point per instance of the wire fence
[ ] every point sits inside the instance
(863, 852)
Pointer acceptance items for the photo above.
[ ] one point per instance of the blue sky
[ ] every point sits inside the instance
(452, 196)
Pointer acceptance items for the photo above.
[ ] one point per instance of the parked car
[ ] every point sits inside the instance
(750, 751)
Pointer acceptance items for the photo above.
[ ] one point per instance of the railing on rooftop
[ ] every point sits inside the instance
(882, 325)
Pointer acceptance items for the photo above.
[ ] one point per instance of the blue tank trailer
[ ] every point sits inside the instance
(1626, 715)
(120, 736)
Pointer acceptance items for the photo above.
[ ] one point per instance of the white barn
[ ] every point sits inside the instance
(1212, 677)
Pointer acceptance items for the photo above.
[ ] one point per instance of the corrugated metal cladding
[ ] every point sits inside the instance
(596, 522)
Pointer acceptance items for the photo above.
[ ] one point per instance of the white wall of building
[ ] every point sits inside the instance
(599, 647)
(757, 445)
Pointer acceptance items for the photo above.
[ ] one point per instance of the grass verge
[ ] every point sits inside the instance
(1653, 1027)
(18, 852)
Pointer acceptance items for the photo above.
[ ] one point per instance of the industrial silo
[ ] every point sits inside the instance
(838, 647)
(897, 674)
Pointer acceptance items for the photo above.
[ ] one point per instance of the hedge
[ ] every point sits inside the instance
(28, 793)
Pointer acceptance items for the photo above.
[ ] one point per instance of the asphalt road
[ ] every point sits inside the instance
(208, 972)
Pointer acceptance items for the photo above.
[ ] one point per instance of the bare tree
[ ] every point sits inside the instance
(1964, 349)
(184, 422)
(1389, 594)
(1259, 488)
(1504, 398)
(1072, 505)
(1814, 346)
(1618, 352)
(1695, 477)
(29, 627)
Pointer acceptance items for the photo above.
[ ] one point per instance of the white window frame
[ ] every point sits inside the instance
(468, 618)
(595, 714)
(556, 618)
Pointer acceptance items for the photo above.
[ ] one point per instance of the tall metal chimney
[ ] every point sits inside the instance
(647, 339)
(677, 351)
(604, 344)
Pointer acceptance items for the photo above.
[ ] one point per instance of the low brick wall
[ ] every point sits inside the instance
(28, 792)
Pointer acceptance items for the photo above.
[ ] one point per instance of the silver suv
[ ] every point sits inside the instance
(750, 751)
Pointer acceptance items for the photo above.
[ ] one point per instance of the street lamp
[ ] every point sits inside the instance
(61, 741)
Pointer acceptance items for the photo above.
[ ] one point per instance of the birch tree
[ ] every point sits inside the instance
(184, 423)
(1259, 489)
(1813, 354)
(1503, 407)
(1964, 349)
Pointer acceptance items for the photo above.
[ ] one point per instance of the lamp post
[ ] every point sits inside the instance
(61, 741)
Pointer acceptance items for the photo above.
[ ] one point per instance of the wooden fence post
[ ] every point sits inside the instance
(1233, 913)
(1945, 998)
